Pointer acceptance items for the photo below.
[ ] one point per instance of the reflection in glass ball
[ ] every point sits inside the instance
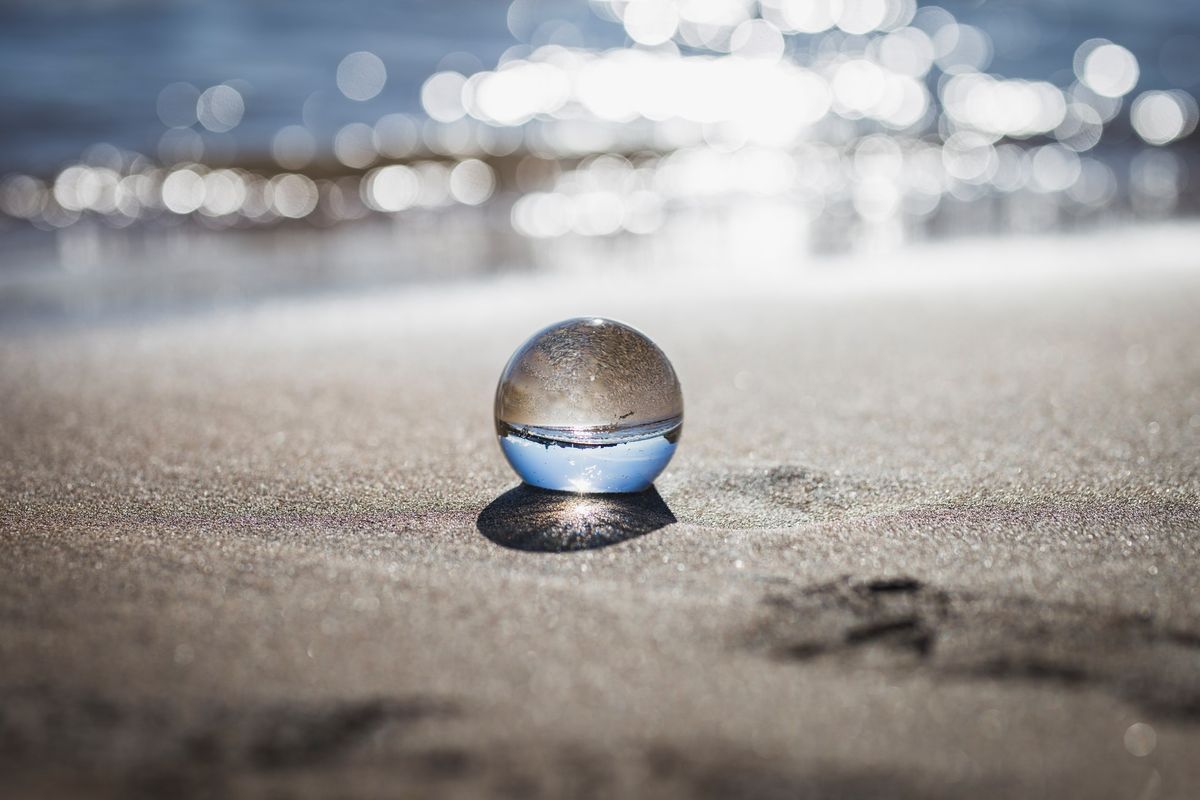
(589, 405)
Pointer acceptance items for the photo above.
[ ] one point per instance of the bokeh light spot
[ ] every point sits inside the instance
(220, 108)
(1110, 70)
(361, 75)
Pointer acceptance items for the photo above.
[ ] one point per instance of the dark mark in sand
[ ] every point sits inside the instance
(152, 747)
(899, 623)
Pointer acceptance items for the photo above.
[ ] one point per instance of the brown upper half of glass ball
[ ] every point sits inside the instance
(588, 372)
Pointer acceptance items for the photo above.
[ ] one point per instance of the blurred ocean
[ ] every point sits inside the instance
(78, 72)
(165, 154)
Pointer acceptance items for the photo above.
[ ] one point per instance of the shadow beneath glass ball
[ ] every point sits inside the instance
(539, 520)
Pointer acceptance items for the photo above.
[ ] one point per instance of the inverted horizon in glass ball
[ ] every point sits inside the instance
(589, 405)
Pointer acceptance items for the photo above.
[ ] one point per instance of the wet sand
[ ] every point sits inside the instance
(933, 530)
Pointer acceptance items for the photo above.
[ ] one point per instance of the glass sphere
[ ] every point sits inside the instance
(589, 405)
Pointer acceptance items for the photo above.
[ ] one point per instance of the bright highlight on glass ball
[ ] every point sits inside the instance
(589, 405)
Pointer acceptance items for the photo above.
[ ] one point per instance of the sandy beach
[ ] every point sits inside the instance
(933, 530)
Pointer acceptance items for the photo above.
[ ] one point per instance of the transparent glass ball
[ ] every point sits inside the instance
(589, 405)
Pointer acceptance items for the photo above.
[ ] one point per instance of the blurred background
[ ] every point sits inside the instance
(166, 154)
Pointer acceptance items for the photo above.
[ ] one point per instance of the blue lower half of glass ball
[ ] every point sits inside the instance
(591, 463)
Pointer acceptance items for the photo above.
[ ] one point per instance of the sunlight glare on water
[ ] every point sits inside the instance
(688, 134)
